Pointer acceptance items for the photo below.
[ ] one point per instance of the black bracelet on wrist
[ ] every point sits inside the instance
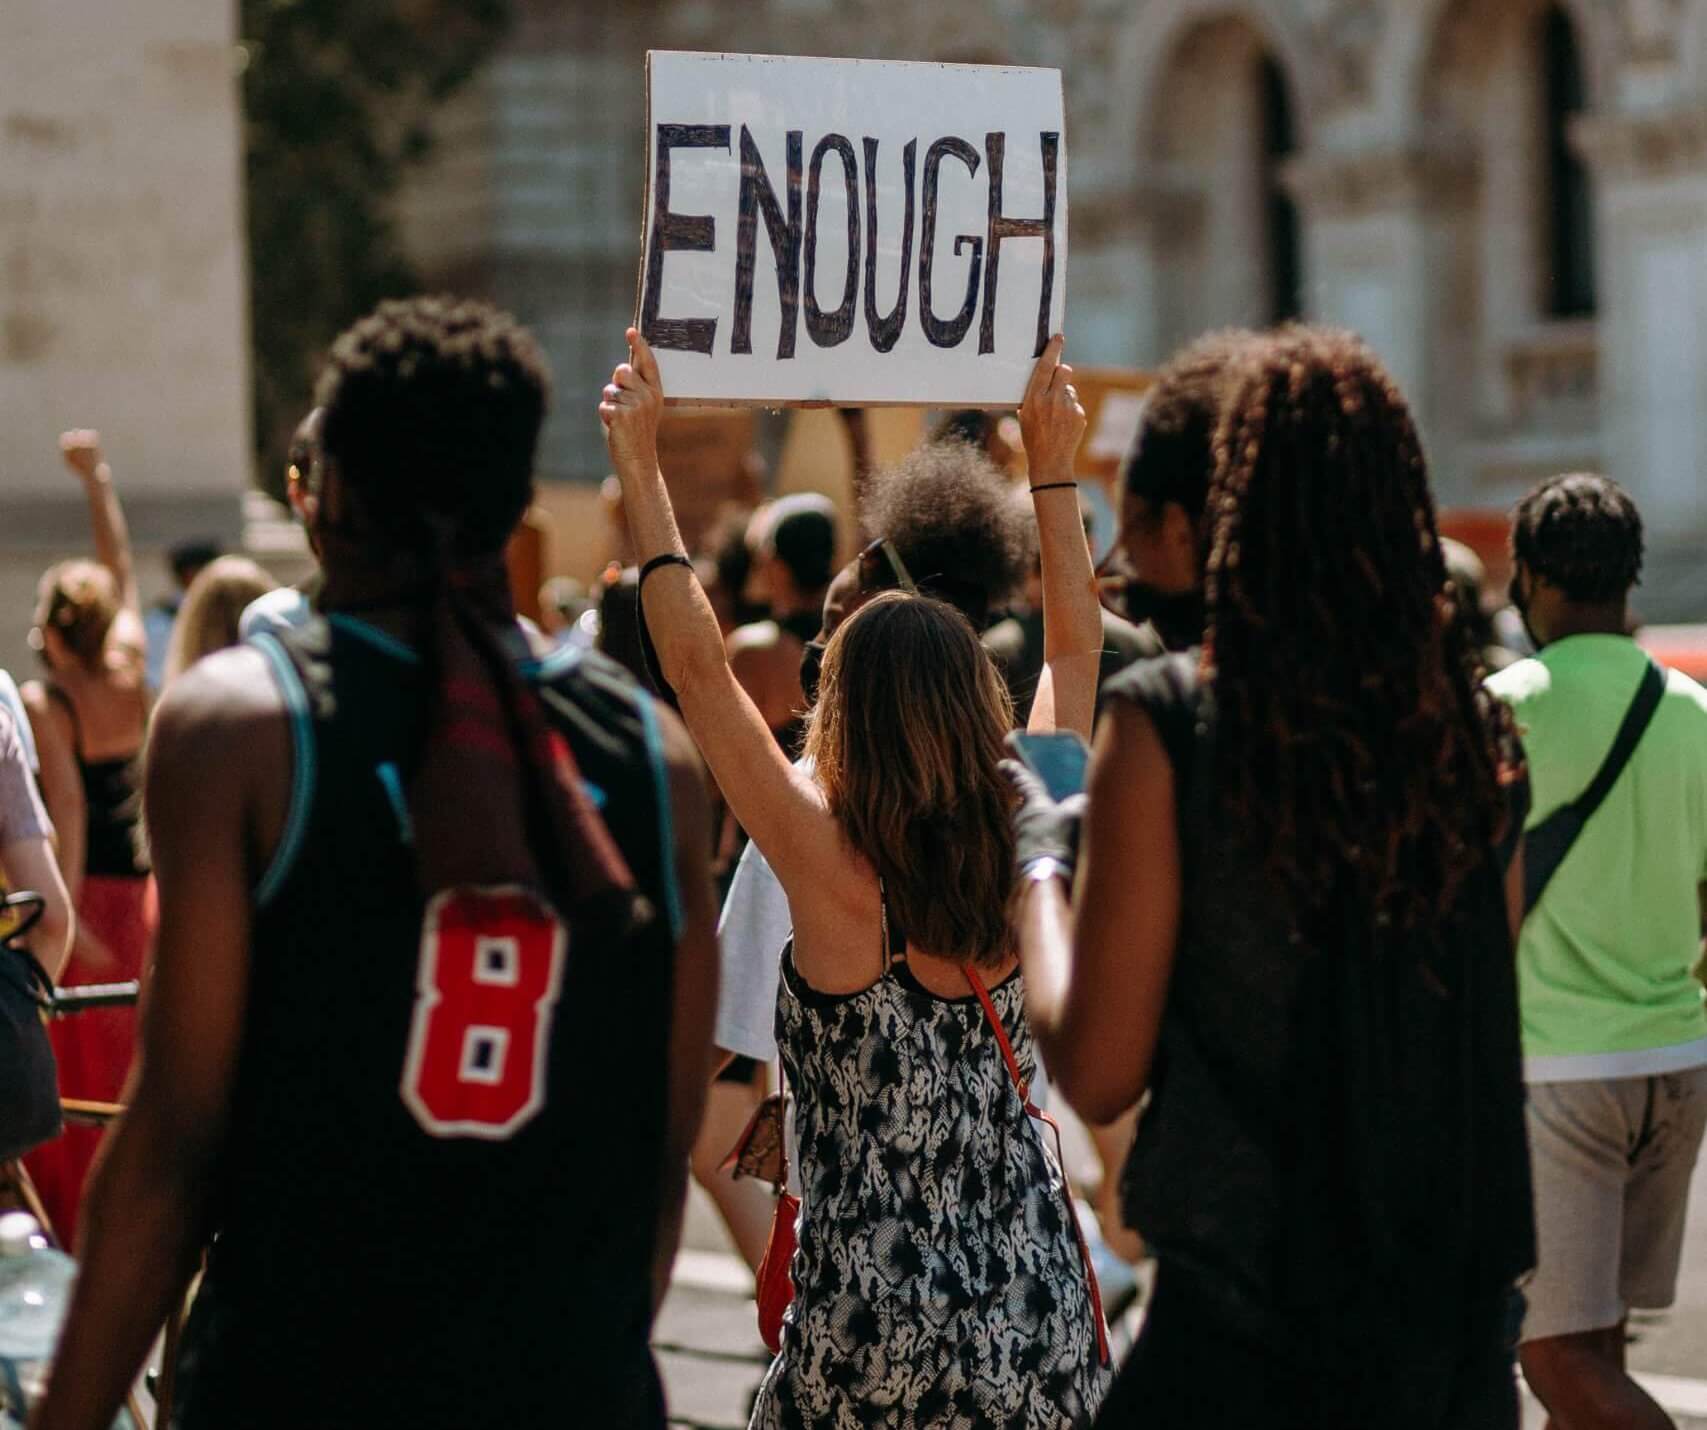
(669, 558)
(1054, 487)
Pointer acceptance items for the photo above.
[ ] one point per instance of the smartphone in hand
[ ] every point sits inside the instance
(1058, 758)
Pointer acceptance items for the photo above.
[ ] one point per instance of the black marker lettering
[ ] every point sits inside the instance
(947, 334)
(758, 196)
(884, 331)
(677, 233)
(1001, 226)
(829, 329)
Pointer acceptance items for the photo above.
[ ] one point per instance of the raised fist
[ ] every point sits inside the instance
(82, 452)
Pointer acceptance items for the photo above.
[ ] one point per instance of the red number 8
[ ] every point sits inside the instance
(490, 971)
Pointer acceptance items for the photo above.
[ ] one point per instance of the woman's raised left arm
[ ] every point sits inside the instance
(1052, 422)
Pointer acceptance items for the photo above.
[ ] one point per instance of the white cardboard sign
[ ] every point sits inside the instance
(856, 232)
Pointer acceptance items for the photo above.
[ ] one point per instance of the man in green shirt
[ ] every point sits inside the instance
(1614, 1031)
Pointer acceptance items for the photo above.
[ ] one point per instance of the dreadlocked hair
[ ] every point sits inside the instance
(1352, 728)
(1172, 453)
(1582, 533)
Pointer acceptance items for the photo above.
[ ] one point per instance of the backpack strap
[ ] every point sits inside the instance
(1546, 845)
(1033, 1110)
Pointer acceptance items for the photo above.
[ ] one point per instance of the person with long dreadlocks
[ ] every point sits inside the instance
(416, 878)
(1292, 924)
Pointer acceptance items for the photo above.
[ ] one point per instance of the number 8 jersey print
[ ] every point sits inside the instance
(412, 1103)
(490, 974)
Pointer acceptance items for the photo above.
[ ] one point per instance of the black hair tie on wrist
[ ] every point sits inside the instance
(669, 558)
(1053, 487)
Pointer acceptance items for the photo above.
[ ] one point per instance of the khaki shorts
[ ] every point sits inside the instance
(1612, 1161)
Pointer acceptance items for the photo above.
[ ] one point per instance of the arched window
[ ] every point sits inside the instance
(1569, 280)
(1285, 270)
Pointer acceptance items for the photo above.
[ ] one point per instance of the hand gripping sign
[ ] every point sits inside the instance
(857, 232)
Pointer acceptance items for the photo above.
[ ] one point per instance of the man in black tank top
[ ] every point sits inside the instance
(422, 890)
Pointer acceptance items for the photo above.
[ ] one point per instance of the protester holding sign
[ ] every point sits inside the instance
(937, 1274)
(1288, 926)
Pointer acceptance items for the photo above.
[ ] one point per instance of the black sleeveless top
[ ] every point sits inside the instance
(110, 795)
(437, 1199)
(1333, 1149)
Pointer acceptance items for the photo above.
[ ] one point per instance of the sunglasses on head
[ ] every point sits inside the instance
(881, 568)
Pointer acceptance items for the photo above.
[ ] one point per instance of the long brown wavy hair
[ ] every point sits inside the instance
(1354, 735)
(906, 736)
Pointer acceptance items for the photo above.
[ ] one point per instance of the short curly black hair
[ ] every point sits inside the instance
(433, 412)
(1172, 456)
(949, 512)
(1581, 533)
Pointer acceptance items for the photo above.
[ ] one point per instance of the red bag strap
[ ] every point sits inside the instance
(1033, 1110)
(1001, 1037)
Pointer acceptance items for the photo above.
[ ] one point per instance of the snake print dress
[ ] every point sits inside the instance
(938, 1280)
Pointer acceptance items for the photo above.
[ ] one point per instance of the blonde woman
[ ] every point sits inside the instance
(213, 606)
(89, 714)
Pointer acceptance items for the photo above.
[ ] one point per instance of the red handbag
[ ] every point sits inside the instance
(762, 1151)
(775, 1286)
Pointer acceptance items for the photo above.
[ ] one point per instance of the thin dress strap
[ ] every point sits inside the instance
(894, 936)
(54, 692)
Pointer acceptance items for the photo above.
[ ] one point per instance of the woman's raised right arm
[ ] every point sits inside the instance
(780, 807)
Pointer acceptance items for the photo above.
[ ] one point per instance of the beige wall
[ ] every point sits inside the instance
(122, 283)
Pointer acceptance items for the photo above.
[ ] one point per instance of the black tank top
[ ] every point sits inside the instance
(436, 1204)
(110, 796)
(1333, 1150)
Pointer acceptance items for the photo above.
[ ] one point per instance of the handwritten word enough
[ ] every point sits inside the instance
(791, 230)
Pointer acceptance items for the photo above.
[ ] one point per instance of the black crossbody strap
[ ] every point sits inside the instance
(1546, 845)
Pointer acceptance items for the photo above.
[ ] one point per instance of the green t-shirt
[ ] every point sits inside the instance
(1605, 958)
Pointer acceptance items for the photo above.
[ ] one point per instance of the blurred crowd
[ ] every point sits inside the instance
(1355, 909)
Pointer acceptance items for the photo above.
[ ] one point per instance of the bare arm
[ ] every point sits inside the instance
(218, 740)
(695, 998)
(1053, 423)
(29, 864)
(82, 452)
(778, 806)
(61, 783)
(1096, 973)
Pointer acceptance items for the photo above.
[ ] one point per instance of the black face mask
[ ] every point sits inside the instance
(1177, 616)
(811, 667)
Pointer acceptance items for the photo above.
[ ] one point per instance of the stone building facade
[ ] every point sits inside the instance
(1508, 198)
